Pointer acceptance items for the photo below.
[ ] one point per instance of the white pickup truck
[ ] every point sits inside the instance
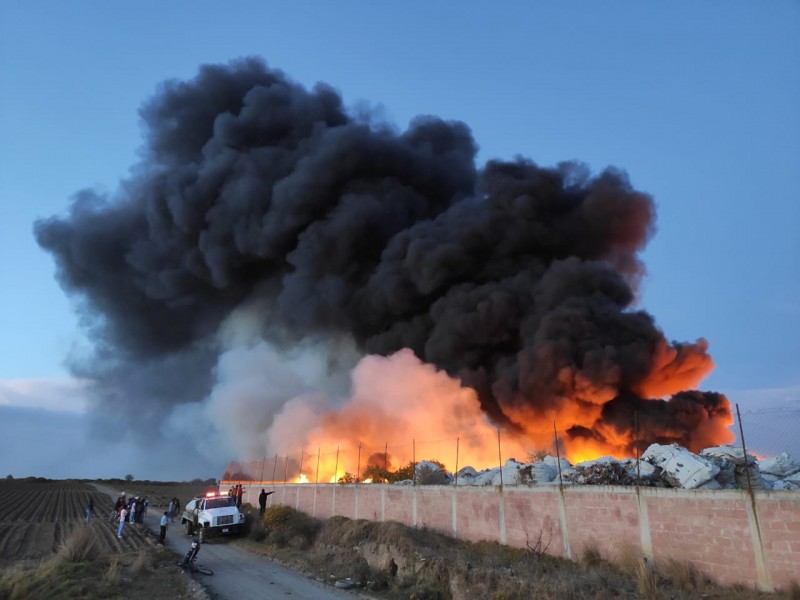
(212, 514)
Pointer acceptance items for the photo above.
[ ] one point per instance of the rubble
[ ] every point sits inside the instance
(680, 468)
(601, 473)
(780, 466)
(720, 467)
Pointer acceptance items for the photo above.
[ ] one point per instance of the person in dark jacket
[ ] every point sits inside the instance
(262, 501)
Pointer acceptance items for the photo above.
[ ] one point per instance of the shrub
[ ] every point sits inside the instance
(591, 556)
(286, 526)
(255, 528)
(349, 478)
(429, 476)
(79, 546)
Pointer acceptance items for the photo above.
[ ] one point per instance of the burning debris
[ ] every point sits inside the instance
(721, 467)
(264, 220)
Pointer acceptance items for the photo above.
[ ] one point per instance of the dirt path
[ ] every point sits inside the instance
(239, 574)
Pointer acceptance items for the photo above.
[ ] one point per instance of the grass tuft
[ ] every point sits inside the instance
(111, 576)
(79, 546)
(591, 556)
(683, 575)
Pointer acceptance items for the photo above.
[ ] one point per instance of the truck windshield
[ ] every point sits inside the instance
(220, 502)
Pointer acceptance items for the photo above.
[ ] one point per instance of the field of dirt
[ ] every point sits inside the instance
(159, 493)
(36, 515)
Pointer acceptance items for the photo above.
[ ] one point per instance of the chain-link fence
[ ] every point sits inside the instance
(351, 462)
(770, 431)
(767, 432)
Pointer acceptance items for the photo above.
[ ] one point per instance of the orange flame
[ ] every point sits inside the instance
(404, 410)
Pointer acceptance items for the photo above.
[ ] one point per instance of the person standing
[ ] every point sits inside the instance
(239, 493)
(118, 505)
(164, 525)
(262, 501)
(89, 510)
(123, 514)
(171, 510)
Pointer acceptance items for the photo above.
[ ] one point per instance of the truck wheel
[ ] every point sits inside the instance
(189, 528)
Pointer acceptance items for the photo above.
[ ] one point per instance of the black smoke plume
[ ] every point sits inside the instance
(516, 278)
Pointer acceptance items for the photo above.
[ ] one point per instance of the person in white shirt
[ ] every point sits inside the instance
(123, 514)
(164, 525)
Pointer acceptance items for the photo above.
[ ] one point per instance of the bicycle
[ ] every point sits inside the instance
(193, 567)
(189, 563)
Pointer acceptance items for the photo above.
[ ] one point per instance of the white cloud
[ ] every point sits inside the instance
(758, 399)
(65, 394)
(47, 443)
(770, 419)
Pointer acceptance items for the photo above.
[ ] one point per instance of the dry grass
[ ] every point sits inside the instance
(396, 562)
(111, 576)
(683, 575)
(79, 546)
(591, 556)
(143, 562)
(794, 591)
(636, 565)
(107, 577)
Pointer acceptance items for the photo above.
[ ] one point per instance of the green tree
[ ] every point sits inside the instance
(128, 477)
(349, 478)
(377, 474)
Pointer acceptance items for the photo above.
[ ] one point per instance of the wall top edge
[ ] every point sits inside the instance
(738, 494)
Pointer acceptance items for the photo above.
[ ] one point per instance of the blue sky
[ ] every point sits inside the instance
(698, 103)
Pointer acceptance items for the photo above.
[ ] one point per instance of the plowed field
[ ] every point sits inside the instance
(35, 516)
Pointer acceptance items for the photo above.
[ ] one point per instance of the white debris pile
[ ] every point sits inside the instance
(744, 469)
(720, 467)
(781, 472)
(679, 467)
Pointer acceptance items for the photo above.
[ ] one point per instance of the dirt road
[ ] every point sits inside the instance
(239, 574)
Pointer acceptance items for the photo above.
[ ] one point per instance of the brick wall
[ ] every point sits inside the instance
(729, 535)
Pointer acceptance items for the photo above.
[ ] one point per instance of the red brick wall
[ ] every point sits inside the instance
(369, 504)
(305, 498)
(324, 504)
(709, 530)
(600, 518)
(533, 519)
(717, 532)
(780, 528)
(345, 504)
(435, 508)
(399, 504)
(478, 514)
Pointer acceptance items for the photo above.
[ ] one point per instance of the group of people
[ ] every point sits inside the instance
(128, 512)
(134, 511)
(237, 492)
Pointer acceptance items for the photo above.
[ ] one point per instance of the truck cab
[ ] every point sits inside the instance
(213, 513)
